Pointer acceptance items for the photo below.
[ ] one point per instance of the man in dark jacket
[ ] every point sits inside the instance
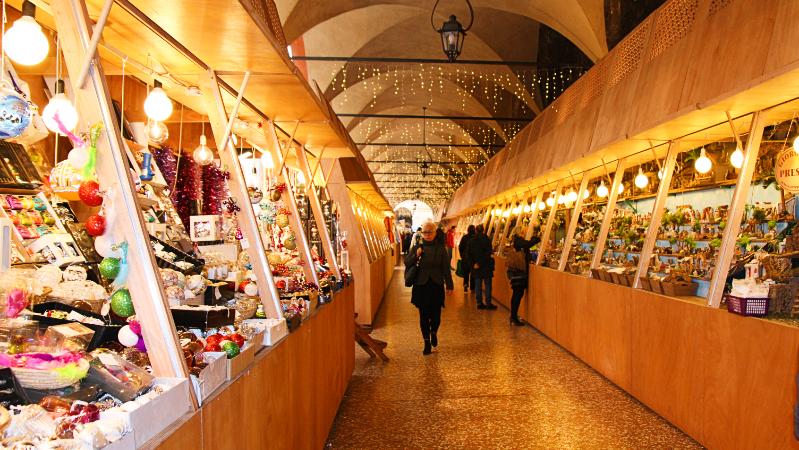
(480, 256)
(463, 250)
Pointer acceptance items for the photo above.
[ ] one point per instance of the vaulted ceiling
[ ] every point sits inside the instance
(378, 62)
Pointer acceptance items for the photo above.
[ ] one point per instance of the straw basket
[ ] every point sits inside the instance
(47, 379)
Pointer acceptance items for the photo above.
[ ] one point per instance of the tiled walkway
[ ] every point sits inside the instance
(488, 385)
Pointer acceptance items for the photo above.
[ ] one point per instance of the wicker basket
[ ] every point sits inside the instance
(47, 379)
(657, 285)
(645, 284)
(679, 290)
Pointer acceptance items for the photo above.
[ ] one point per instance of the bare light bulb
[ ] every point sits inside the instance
(526, 209)
(62, 107)
(24, 42)
(586, 194)
(737, 157)
(703, 164)
(157, 132)
(157, 105)
(621, 188)
(641, 180)
(571, 196)
(542, 206)
(266, 160)
(203, 155)
(602, 190)
(550, 201)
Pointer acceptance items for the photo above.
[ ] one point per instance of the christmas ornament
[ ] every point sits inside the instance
(127, 337)
(212, 347)
(274, 195)
(15, 113)
(237, 338)
(91, 163)
(231, 349)
(89, 193)
(282, 220)
(214, 339)
(290, 243)
(255, 195)
(95, 225)
(109, 268)
(122, 304)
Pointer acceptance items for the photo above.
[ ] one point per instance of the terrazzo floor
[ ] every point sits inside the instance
(488, 385)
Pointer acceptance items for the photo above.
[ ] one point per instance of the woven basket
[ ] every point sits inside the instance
(47, 379)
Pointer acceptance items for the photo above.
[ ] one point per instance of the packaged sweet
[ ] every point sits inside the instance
(70, 336)
(120, 378)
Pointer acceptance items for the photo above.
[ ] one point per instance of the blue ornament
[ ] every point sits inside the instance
(15, 114)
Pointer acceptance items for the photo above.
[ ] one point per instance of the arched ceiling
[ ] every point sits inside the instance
(481, 106)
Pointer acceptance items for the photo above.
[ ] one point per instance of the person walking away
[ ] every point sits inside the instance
(482, 267)
(518, 271)
(417, 237)
(450, 243)
(427, 293)
(406, 240)
(463, 251)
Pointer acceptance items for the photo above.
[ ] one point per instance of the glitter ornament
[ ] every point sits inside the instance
(230, 348)
(109, 268)
(282, 220)
(122, 304)
(290, 243)
(95, 225)
(89, 193)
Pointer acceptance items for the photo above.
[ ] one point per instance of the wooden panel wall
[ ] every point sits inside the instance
(289, 397)
(726, 380)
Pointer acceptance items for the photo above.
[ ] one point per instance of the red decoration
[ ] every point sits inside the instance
(237, 338)
(281, 187)
(212, 348)
(89, 193)
(95, 225)
(214, 339)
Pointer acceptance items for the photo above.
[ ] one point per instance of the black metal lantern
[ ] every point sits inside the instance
(452, 33)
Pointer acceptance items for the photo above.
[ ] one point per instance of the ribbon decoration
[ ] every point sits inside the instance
(124, 268)
(94, 135)
(76, 141)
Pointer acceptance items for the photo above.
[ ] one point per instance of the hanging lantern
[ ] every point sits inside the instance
(703, 164)
(452, 33)
(737, 157)
(157, 133)
(202, 154)
(24, 42)
(641, 180)
(62, 107)
(157, 105)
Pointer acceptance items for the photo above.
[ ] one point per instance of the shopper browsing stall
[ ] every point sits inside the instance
(482, 267)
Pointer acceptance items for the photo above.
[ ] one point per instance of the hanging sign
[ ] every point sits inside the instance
(786, 170)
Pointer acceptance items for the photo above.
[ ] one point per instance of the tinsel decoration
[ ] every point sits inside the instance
(214, 189)
(167, 163)
(230, 205)
(187, 192)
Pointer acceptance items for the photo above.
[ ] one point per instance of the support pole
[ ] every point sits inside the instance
(534, 214)
(578, 207)
(92, 50)
(542, 247)
(599, 247)
(736, 212)
(657, 213)
(256, 250)
(144, 281)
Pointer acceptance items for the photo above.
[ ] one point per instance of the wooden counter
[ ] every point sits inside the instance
(726, 380)
(288, 398)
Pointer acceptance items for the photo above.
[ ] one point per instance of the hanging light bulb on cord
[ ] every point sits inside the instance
(157, 132)
(641, 180)
(737, 157)
(703, 164)
(602, 190)
(157, 105)
(24, 42)
(62, 107)
(203, 155)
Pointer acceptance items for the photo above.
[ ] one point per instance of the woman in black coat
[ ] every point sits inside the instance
(518, 276)
(463, 250)
(432, 275)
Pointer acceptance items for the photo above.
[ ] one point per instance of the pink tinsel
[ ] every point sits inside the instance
(15, 302)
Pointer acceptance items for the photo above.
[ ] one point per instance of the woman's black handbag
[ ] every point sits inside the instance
(411, 273)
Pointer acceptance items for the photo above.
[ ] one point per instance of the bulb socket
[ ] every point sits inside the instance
(157, 84)
(28, 9)
(59, 86)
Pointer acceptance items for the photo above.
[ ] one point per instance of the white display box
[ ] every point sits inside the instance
(205, 228)
(157, 415)
(127, 442)
(212, 377)
(240, 362)
(273, 329)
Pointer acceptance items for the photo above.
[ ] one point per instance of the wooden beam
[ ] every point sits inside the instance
(599, 247)
(542, 248)
(534, 212)
(736, 211)
(255, 248)
(578, 206)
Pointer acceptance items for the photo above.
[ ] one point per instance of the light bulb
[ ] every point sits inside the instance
(62, 107)
(24, 42)
(542, 206)
(641, 180)
(266, 159)
(586, 194)
(506, 213)
(660, 173)
(526, 209)
(202, 154)
(157, 132)
(703, 164)
(621, 188)
(300, 178)
(550, 201)
(602, 190)
(737, 157)
(157, 105)
(571, 197)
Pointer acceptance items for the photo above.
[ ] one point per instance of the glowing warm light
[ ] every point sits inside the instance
(266, 160)
(571, 196)
(202, 154)
(796, 144)
(542, 206)
(661, 172)
(300, 178)
(24, 42)
(703, 164)
(157, 132)
(62, 107)
(621, 188)
(737, 157)
(641, 180)
(506, 213)
(526, 209)
(602, 190)
(586, 194)
(550, 201)
(157, 105)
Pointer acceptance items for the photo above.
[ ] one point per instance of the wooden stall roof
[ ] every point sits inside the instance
(675, 75)
(176, 41)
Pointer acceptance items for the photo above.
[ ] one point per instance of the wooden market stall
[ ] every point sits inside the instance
(648, 181)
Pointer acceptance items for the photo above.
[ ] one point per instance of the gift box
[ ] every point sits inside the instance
(203, 317)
